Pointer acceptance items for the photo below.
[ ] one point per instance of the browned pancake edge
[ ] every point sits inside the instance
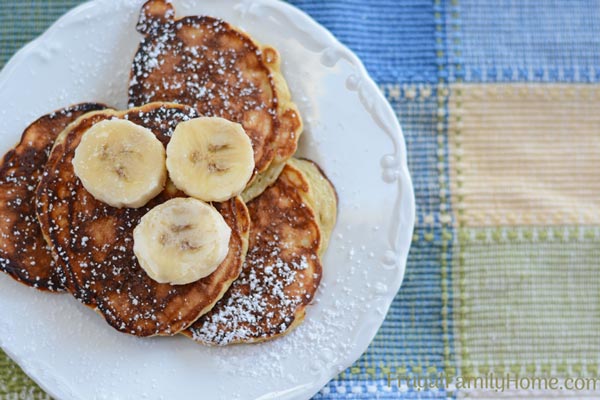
(24, 253)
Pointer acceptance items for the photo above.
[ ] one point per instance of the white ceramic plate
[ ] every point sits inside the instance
(351, 132)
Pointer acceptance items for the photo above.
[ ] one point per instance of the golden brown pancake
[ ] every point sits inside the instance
(322, 197)
(24, 254)
(209, 64)
(281, 273)
(95, 240)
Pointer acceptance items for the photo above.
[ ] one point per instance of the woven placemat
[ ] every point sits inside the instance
(499, 106)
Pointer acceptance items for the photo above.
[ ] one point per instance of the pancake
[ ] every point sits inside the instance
(24, 254)
(95, 241)
(262, 181)
(322, 197)
(220, 70)
(282, 270)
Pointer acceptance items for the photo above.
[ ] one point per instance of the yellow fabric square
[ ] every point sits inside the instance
(525, 154)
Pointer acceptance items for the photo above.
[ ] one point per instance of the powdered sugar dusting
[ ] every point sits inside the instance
(259, 303)
(280, 275)
(23, 250)
(208, 64)
(95, 241)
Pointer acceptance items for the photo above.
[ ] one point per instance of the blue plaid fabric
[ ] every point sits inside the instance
(394, 39)
(531, 41)
(424, 54)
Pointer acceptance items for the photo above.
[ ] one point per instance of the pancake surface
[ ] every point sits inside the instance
(24, 254)
(209, 64)
(282, 270)
(96, 241)
(322, 197)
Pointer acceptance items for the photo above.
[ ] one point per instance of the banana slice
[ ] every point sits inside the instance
(181, 241)
(210, 158)
(120, 163)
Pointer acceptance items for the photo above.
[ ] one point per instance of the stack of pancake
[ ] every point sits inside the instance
(57, 237)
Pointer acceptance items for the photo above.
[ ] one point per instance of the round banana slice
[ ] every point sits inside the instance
(210, 158)
(120, 163)
(181, 240)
